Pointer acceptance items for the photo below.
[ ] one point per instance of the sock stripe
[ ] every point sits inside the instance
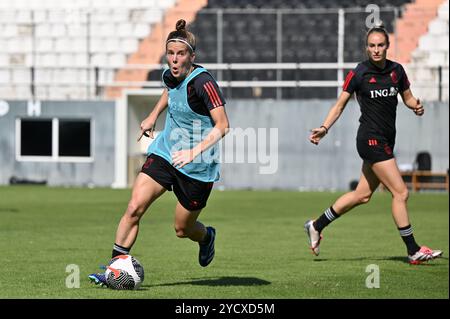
(329, 214)
(406, 232)
(121, 249)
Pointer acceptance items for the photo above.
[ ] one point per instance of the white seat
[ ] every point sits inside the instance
(23, 16)
(104, 30)
(101, 16)
(14, 45)
(43, 30)
(20, 45)
(56, 16)
(164, 4)
(117, 60)
(78, 45)
(44, 45)
(23, 91)
(21, 76)
(81, 59)
(99, 59)
(43, 75)
(112, 45)
(10, 31)
(63, 44)
(129, 45)
(40, 16)
(46, 59)
(152, 15)
(7, 93)
(142, 30)
(97, 45)
(120, 16)
(5, 76)
(4, 59)
(65, 59)
(124, 30)
(7, 16)
(77, 30)
(58, 30)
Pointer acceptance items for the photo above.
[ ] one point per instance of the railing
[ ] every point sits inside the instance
(94, 83)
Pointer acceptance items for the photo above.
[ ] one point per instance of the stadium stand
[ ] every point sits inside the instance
(61, 49)
(252, 38)
(429, 61)
(63, 39)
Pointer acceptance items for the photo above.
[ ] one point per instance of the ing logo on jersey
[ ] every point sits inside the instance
(392, 91)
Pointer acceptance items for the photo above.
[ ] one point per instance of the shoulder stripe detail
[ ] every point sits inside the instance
(212, 93)
(348, 79)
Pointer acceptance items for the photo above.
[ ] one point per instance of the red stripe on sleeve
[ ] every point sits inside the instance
(210, 95)
(348, 79)
(215, 94)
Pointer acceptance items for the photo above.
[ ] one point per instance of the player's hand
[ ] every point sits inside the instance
(418, 109)
(147, 127)
(317, 134)
(182, 158)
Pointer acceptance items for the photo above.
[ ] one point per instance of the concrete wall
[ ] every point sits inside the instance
(294, 163)
(99, 172)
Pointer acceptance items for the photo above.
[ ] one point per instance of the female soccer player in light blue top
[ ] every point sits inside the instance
(184, 156)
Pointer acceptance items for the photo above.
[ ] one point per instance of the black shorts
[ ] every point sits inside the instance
(191, 193)
(374, 149)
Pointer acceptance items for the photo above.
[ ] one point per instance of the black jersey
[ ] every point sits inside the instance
(376, 90)
(203, 92)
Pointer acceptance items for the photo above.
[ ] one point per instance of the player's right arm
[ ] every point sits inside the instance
(351, 85)
(333, 115)
(148, 125)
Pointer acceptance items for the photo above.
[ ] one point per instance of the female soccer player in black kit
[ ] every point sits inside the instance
(376, 82)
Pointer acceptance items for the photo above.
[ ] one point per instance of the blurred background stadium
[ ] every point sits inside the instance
(77, 78)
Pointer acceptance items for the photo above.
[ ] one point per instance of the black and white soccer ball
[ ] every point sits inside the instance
(124, 272)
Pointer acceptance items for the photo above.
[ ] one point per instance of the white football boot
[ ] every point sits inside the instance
(314, 237)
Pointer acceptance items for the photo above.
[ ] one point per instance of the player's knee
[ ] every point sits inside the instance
(181, 231)
(364, 198)
(134, 211)
(401, 195)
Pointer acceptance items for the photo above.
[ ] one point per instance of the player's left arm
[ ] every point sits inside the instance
(412, 103)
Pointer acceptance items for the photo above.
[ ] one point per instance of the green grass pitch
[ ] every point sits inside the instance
(261, 248)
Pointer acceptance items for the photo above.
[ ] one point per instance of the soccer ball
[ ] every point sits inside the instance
(124, 272)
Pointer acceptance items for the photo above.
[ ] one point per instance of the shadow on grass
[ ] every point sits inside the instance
(399, 259)
(8, 210)
(220, 281)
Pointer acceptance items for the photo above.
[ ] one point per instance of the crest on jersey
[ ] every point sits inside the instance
(394, 77)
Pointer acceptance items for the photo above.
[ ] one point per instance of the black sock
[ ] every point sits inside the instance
(327, 217)
(207, 237)
(408, 238)
(119, 250)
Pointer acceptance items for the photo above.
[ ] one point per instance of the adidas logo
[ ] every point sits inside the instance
(372, 80)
